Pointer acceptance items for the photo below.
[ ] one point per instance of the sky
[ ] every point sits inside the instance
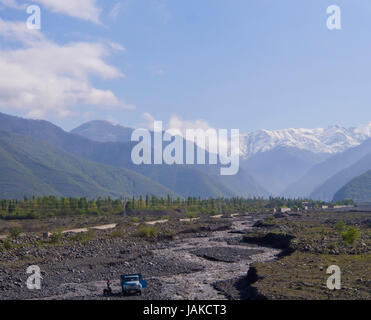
(241, 64)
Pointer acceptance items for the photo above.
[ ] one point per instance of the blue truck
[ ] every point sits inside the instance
(132, 283)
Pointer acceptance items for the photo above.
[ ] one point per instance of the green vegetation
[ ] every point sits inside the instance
(7, 245)
(15, 232)
(340, 226)
(117, 233)
(56, 237)
(38, 166)
(358, 189)
(31, 167)
(147, 232)
(52, 206)
(351, 235)
(301, 274)
(83, 236)
(191, 215)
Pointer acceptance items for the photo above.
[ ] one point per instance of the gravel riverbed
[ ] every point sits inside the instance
(197, 265)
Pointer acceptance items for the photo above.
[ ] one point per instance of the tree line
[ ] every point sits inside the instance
(49, 206)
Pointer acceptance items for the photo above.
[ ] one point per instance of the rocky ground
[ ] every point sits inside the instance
(241, 257)
(311, 243)
(182, 262)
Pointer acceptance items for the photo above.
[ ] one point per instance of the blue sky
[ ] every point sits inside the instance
(247, 64)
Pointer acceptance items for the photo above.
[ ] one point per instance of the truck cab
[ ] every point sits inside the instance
(132, 283)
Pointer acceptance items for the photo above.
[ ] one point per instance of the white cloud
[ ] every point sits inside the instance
(45, 78)
(17, 32)
(177, 123)
(12, 4)
(149, 120)
(81, 9)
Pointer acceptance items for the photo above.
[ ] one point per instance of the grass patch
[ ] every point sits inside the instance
(134, 220)
(118, 233)
(191, 215)
(6, 245)
(56, 237)
(340, 226)
(147, 232)
(15, 232)
(83, 236)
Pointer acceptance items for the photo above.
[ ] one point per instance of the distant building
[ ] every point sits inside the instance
(284, 210)
(342, 207)
(324, 207)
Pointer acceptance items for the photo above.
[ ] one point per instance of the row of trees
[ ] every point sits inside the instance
(53, 206)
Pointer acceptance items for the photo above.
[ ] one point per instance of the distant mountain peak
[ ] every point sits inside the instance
(331, 140)
(104, 131)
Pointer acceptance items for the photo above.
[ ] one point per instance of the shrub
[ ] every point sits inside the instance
(351, 235)
(7, 245)
(134, 220)
(15, 232)
(147, 232)
(118, 233)
(340, 226)
(83, 236)
(56, 237)
(191, 215)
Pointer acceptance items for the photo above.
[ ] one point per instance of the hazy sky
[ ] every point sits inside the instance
(247, 64)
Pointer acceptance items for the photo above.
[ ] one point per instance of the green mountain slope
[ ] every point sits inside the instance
(203, 181)
(309, 185)
(358, 189)
(327, 190)
(195, 180)
(29, 167)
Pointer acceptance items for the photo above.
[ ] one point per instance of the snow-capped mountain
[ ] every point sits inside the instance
(331, 140)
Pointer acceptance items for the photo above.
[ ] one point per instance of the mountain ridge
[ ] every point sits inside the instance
(32, 167)
(331, 140)
(358, 189)
(188, 181)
